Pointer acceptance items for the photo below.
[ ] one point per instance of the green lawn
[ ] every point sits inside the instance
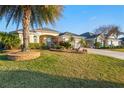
(120, 50)
(59, 69)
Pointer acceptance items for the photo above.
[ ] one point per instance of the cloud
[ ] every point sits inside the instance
(93, 18)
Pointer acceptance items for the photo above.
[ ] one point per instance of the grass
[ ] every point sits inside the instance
(59, 69)
(120, 50)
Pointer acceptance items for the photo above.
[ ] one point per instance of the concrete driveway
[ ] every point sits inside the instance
(115, 54)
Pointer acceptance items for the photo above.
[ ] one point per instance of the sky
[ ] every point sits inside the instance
(80, 19)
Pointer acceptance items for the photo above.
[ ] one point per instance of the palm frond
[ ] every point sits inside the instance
(39, 14)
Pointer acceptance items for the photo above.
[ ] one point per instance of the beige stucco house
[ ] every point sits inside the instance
(35, 36)
(45, 35)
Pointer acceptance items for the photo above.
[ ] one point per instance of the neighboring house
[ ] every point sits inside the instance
(39, 35)
(67, 35)
(92, 38)
(122, 41)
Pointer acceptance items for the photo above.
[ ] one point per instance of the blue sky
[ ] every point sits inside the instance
(80, 19)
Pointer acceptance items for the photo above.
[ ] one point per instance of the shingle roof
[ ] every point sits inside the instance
(121, 38)
(89, 35)
(48, 29)
(68, 33)
(40, 29)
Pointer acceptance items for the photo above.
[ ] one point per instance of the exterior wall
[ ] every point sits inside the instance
(35, 36)
(116, 43)
(21, 37)
(52, 34)
(31, 38)
(77, 45)
(110, 42)
(122, 43)
(113, 42)
(90, 42)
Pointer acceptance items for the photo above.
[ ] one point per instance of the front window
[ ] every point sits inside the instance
(35, 39)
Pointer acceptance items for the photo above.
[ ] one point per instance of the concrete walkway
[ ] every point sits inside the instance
(115, 54)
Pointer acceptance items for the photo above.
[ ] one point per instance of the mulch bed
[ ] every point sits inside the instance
(21, 56)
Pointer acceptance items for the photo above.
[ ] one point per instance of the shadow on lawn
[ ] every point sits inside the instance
(3, 58)
(37, 79)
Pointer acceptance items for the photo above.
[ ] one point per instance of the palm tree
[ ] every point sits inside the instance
(82, 43)
(30, 16)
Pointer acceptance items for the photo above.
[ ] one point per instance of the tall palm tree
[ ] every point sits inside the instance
(30, 16)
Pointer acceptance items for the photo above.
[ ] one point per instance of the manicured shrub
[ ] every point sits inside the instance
(66, 44)
(57, 46)
(1, 51)
(97, 44)
(82, 43)
(34, 45)
(44, 46)
(9, 40)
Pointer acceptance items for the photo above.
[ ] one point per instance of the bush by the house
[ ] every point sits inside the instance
(57, 46)
(66, 44)
(44, 46)
(9, 40)
(34, 45)
(97, 44)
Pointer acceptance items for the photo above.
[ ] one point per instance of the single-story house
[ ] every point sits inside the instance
(67, 35)
(122, 41)
(91, 38)
(43, 35)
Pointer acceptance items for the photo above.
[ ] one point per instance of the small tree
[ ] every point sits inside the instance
(82, 43)
(66, 44)
(72, 41)
(97, 44)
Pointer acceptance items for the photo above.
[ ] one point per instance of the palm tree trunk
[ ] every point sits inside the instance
(26, 25)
